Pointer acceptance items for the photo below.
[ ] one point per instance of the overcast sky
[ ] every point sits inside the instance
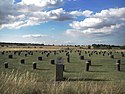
(74, 22)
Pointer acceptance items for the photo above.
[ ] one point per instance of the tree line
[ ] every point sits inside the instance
(104, 46)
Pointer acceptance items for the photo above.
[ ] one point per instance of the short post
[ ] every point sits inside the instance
(89, 55)
(54, 52)
(22, 61)
(19, 53)
(90, 63)
(47, 54)
(40, 58)
(118, 65)
(31, 53)
(6, 65)
(123, 55)
(59, 72)
(87, 66)
(82, 57)
(10, 56)
(25, 55)
(118, 61)
(2, 53)
(68, 59)
(34, 65)
(52, 61)
(79, 53)
(112, 56)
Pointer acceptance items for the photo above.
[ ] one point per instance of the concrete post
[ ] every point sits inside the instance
(34, 65)
(6, 65)
(82, 57)
(59, 72)
(87, 66)
(22, 61)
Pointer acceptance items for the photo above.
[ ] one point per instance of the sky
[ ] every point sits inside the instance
(63, 22)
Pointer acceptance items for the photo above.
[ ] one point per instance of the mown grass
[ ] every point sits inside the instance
(101, 79)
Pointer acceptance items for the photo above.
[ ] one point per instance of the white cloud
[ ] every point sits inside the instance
(34, 36)
(112, 12)
(103, 23)
(27, 13)
(42, 3)
(85, 13)
(74, 33)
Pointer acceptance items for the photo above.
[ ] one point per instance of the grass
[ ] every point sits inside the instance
(28, 83)
(17, 83)
(101, 79)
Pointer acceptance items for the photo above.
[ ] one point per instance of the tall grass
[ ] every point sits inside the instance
(17, 83)
(28, 83)
(82, 87)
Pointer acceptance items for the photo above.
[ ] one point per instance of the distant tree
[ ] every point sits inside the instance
(122, 47)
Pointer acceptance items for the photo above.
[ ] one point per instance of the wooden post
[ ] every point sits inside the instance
(59, 72)
(34, 65)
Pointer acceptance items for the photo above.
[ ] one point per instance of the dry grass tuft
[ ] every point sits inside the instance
(17, 83)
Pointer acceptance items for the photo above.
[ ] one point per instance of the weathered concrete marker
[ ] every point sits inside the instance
(40, 58)
(34, 65)
(87, 66)
(10, 56)
(22, 61)
(60, 61)
(118, 65)
(90, 63)
(6, 65)
(112, 56)
(82, 57)
(52, 61)
(68, 59)
(59, 72)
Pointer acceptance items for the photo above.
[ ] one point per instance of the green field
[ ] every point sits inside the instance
(103, 68)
